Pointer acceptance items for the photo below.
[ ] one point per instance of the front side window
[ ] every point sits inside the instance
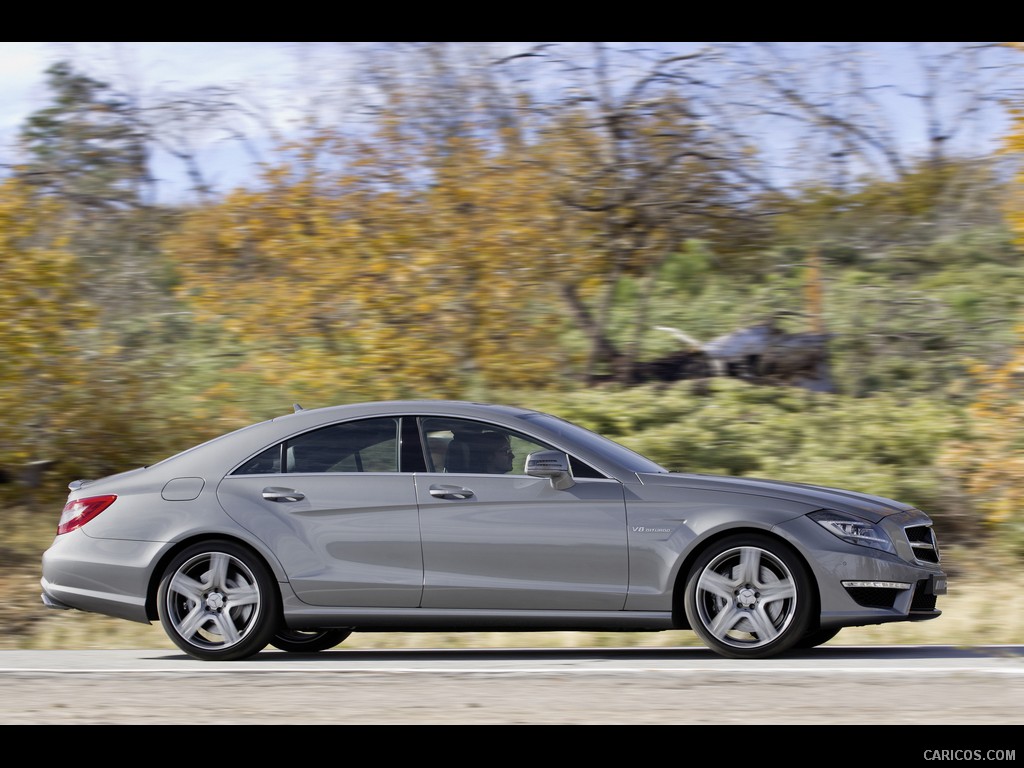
(459, 445)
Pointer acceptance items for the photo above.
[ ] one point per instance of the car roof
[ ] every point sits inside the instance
(385, 407)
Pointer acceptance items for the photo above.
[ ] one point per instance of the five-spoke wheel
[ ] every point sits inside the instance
(748, 596)
(218, 602)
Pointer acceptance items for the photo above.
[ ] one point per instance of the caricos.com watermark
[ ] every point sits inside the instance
(970, 754)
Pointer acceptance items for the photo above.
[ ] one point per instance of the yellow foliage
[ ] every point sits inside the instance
(389, 287)
(1013, 142)
(43, 322)
(992, 462)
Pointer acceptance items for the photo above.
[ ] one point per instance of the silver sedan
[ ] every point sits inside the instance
(428, 515)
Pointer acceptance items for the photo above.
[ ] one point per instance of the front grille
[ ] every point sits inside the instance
(874, 597)
(922, 541)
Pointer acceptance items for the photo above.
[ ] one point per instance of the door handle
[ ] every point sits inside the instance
(282, 494)
(450, 492)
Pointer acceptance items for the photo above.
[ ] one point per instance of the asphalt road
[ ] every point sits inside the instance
(831, 685)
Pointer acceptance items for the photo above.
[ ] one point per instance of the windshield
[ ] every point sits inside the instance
(619, 454)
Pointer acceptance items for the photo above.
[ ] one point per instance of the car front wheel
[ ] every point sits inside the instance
(748, 597)
(308, 641)
(218, 602)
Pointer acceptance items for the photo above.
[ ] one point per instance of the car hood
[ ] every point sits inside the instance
(864, 504)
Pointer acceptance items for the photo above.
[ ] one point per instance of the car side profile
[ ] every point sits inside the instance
(433, 515)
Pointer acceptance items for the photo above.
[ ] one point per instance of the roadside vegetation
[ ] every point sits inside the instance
(532, 260)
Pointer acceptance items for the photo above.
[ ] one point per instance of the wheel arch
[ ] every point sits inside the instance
(686, 565)
(172, 552)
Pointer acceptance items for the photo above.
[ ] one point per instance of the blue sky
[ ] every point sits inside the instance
(267, 71)
(265, 68)
(23, 66)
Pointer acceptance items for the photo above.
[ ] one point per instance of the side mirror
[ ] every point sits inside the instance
(553, 465)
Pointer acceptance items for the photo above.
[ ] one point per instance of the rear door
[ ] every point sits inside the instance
(338, 511)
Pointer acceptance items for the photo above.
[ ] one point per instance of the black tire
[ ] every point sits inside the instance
(218, 602)
(817, 637)
(308, 641)
(748, 597)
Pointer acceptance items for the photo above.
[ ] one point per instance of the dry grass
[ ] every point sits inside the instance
(975, 612)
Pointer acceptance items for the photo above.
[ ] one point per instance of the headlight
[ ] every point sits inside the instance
(853, 530)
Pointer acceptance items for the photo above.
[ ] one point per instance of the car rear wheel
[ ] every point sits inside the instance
(748, 597)
(308, 641)
(218, 602)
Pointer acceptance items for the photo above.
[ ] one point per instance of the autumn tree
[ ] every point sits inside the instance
(641, 175)
(629, 166)
(472, 241)
(992, 464)
(87, 147)
(42, 321)
(370, 282)
(89, 151)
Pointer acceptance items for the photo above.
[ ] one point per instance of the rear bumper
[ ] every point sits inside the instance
(109, 577)
(52, 602)
(92, 601)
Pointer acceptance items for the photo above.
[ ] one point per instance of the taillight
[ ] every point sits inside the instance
(79, 512)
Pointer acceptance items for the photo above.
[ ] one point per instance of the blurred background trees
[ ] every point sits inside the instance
(518, 224)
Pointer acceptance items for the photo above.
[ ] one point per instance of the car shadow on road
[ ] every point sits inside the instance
(837, 652)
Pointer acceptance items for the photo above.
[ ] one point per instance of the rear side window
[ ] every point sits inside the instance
(360, 446)
(266, 463)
